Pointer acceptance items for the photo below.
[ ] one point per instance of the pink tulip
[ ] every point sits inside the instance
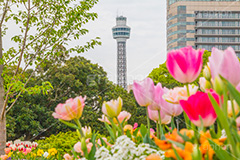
(199, 104)
(112, 108)
(124, 115)
(153, 115)
(67, 157)
(178, 93)
(105, 140)
(77, 147)
(158, 101)
(70, 110)
(144, 91)
(226, 64)
(238, 122)
(172, 109)
(238, 87)
(185, 64)
(28, 150)
(104, 119)
(135, 125)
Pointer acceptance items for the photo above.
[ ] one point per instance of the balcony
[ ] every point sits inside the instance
(216, 35)
(217, 43)
(216, 27)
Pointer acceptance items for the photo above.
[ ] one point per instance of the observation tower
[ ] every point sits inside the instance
(121, 32)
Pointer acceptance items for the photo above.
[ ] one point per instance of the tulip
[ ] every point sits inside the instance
(199, 104)
(179, 93)
(7, 150)
(127, 127)
(28, 150)
(34, 144)
(229, 107)
(238, 122)
(135, 125)
(172, 109)
(87, 131)
(112, 108)
(238, 87)
(158, 101)
(153, 115)
(77, 147)
(207, 72)
(204, 84)
(124, 115)
(9, 143)
(185, 64)
(104, 119)
(67, 157)
(70, 110)
(218, 85)
(226, 64)
(144, 91)
(21, 148)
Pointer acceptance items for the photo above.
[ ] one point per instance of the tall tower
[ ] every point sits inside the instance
(121, 32)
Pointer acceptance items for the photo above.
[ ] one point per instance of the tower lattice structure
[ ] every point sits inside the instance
(121, 32)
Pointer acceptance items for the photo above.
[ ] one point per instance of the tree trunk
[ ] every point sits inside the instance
(2, 120)
(2, 136)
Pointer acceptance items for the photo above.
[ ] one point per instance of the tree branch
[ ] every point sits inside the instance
(4, 13)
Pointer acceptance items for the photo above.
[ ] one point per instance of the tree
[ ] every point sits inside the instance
(45, 29)
(76, 76)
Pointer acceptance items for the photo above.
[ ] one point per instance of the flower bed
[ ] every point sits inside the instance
(211, 116)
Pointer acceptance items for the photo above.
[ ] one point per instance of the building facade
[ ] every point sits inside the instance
(121, 32)
(203, 24)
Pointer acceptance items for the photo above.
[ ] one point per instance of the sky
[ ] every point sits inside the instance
(146, 48)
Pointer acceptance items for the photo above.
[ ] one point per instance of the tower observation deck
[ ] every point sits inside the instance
(121, 32)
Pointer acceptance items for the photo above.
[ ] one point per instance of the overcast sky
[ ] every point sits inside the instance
(146, 48)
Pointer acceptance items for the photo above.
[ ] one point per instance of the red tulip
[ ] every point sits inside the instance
(198, 105)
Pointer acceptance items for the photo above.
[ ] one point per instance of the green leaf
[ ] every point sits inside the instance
(224, 122)
(177, 144)
(110, 131)
(69, 124)
(221, 154)
(143, 130)
(177, 155)
(234, 92)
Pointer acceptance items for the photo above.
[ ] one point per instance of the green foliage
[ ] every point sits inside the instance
(63, 142)
(76, 76)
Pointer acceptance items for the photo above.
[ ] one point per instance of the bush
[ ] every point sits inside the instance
(63, 142)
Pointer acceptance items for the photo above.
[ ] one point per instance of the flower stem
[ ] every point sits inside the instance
(148, 122)
(160, 124)
(80, 127)
(120, 125)
(188, 92)
(157, 130)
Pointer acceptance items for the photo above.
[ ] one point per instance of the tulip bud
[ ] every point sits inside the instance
(83, 145)
(196, 153)
(218, 85)
(204, 84)
(207, 72)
